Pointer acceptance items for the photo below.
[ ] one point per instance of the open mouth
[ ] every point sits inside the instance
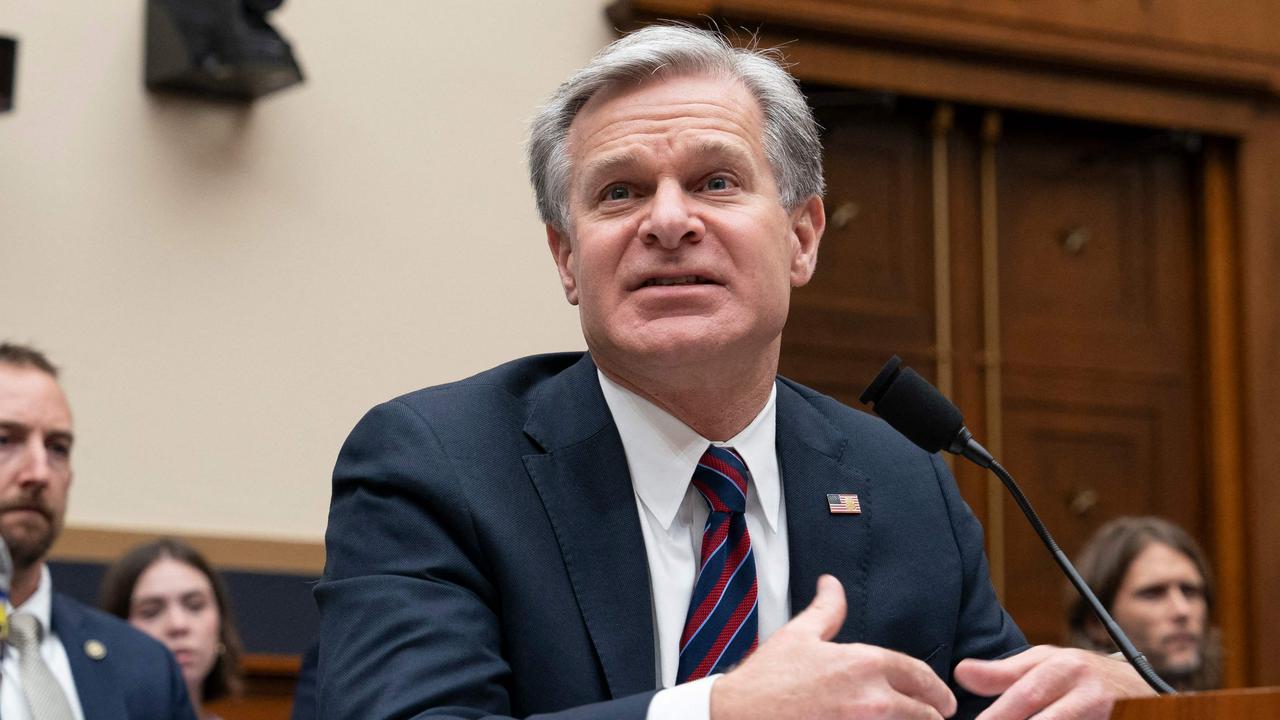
(674, 281)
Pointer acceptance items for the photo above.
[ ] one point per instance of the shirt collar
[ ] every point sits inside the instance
(40, 603)
(662, 452)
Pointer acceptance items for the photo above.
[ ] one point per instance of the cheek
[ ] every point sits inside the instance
(1200, 614)
(150, 626)
(209, 624)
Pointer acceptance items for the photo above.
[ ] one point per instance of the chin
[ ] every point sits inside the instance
(678, 342)
(1179, 667)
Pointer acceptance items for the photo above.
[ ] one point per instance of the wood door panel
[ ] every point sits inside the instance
(1095, 252)
(1085, 451)
(1098, 348)
(872, 295)
(1097, 355)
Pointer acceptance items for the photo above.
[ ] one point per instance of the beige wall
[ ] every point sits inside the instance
(229, 288)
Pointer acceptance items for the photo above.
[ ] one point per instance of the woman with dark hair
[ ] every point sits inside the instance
(166, 589)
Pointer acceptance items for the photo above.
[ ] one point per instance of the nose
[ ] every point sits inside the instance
(1179, 604)
(671, 220)
(35, 471)
(176, 623)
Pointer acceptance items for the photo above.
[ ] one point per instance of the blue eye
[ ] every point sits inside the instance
(617, 192)
(718, 183)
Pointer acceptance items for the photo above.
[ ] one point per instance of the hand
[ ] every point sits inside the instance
(799, 673)
(1052, 681)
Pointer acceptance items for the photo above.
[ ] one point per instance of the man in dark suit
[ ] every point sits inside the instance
(63, 659)
(663, 528)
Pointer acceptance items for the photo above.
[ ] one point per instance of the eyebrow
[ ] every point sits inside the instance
(704, 151)
(713, 149)
(15, 426)
(608, 165)
(198, 593)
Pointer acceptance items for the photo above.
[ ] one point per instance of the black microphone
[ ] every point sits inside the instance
(927, 418)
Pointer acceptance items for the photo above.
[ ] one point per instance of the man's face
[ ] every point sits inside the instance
(1161, 606)
(35, 461)
(679, 247)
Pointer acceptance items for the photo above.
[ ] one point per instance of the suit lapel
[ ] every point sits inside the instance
(815, 461)
(585, 487)
(99, 697)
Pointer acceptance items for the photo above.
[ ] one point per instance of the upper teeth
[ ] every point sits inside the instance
(685, 280)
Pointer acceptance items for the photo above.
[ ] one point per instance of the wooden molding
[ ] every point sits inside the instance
(1224, 407)
(1127, 51)
(273, 665)
(91, 544)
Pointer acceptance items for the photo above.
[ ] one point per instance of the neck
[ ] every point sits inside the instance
(24, 583)
(717, 403)
(197, 700)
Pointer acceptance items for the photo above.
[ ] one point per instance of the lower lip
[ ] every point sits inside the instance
(693, 287)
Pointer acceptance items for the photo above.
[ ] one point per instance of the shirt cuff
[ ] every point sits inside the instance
(688, 701)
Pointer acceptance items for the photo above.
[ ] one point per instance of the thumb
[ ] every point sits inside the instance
(824, 616)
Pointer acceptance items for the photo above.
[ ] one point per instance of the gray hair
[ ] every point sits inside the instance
(790, 140)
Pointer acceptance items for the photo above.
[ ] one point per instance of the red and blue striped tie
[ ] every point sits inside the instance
(721, 628)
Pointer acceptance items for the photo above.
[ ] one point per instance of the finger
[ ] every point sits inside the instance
(1041, 687)
(911, 709)
(1077, 706)
(992, 677)
(824, 616)
(915, 679)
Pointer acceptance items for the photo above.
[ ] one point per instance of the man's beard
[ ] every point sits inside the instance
(28, 547)
(1204, 674)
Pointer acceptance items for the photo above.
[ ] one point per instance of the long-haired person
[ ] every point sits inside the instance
(1155, 581)
(168, 590)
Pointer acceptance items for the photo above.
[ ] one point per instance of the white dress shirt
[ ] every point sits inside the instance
(662, 453)
(13, 704)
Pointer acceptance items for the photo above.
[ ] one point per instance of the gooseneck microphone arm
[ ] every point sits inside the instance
(926, 417)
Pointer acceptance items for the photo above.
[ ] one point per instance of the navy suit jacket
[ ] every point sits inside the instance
(135, 678)
(485, 556)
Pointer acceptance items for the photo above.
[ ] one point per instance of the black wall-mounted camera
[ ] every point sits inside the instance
(221, 49)
(8, 64)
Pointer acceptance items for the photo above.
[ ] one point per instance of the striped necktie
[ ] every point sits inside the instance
(721, 627)
(43, 692)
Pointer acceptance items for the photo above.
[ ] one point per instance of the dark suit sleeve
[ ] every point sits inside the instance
(304, 692)
(408, 609)
(985, 630)
(182, 708)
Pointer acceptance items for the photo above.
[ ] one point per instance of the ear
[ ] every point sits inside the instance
(807, 223)
(562, 253)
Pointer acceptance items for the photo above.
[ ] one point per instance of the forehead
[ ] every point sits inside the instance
(1159, 563)
(168, 576)
(32, 397)
(668, 112)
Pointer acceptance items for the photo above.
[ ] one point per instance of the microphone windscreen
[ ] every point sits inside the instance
(876, 389)
(915, 408)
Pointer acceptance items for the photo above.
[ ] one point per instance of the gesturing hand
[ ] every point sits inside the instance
(799, 673)
(1051, 683)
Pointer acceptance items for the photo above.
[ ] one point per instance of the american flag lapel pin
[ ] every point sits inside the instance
(844, 504)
